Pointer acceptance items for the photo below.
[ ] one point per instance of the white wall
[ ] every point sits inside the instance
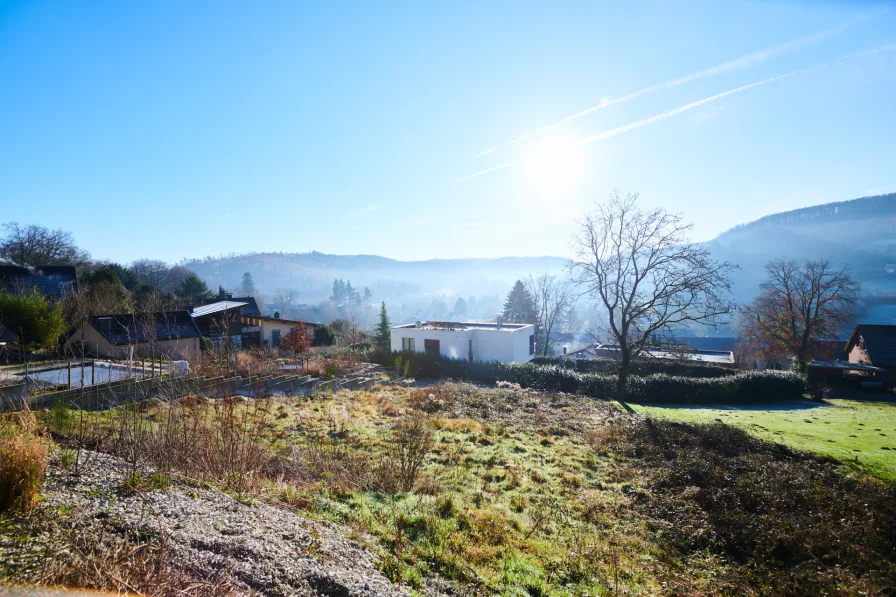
(505, 345)
(452, 344)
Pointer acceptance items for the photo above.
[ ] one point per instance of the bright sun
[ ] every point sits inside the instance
(554, 164)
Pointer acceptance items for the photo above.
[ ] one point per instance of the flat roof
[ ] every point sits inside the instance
(844, 366)
(457, 326)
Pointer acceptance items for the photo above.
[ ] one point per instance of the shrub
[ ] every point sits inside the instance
(23, 461)
(31, 316)
(412, 441)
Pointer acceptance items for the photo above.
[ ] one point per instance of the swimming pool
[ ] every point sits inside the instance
(102, 374)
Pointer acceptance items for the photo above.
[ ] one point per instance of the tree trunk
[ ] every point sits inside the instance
(623, 376)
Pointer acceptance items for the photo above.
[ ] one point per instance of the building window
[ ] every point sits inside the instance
(408, 344)
(532, 344)
(432, 347)
(275, 338)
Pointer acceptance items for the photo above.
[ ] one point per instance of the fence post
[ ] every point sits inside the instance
(93, 372)
(27, 383)
(69, 374)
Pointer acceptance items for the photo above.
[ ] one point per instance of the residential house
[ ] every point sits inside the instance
(220, 322)
(504, 342)
(875, 344)
(261, 330)
(170, 335)
(53, 281)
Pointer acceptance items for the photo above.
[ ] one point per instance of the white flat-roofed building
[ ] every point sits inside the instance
(504, 342)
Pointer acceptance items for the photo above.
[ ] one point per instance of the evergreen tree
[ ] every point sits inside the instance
(193, 289)
(383, 337)
(520, 306)
(460, 307)
(338, 292)
(350, 293)
(247, 286)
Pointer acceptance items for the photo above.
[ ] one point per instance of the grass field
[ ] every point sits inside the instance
(524, 493)
(860, 434)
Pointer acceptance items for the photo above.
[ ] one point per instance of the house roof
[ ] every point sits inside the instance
(250, 307)
(880, 342)
(460, 327)
(216, 307)
(50, 280)
(131, 329)
(6, 335)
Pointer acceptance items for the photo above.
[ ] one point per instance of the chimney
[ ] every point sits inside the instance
(229, 296)
(276, 314)
(499, 319)
(418, 324)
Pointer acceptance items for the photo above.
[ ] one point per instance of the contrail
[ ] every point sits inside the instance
(640, 123)
(487, 170)
(679, 110)
(745, 61)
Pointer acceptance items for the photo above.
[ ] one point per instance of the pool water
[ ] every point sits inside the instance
(103, 374)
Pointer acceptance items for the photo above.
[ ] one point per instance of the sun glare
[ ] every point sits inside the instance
(554, 164)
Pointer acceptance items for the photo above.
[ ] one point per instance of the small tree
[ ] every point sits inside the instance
(383, 336)
(297, 340)
(37, 322)
(460, 306)
(649, 278)
(800, 305)
(554, 300)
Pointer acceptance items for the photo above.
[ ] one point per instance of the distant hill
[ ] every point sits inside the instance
(860, 233)
(313, 273)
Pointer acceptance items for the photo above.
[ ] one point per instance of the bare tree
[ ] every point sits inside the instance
(36, 245)
(285, 298)
(800, 306)
(152, 272)
(641, 267)
(555, 298)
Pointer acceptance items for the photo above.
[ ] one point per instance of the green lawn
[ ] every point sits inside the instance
(860, 434)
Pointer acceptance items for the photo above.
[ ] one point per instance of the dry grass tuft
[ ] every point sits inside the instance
(23, 461)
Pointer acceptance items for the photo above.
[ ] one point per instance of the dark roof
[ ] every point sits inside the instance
(129, 328)
(251, 307)
(880, 342)
(6, 335)
(50, 280)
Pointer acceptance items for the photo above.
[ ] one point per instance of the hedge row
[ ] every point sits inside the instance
(747, 387)
(641, 367)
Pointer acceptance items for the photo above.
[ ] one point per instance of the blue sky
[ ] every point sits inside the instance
(184, 129)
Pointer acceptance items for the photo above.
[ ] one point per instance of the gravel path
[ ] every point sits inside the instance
(267, 550)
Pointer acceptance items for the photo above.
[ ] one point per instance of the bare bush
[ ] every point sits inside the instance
(411, 442)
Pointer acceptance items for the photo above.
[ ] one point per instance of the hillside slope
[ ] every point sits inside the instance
(860, 233)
